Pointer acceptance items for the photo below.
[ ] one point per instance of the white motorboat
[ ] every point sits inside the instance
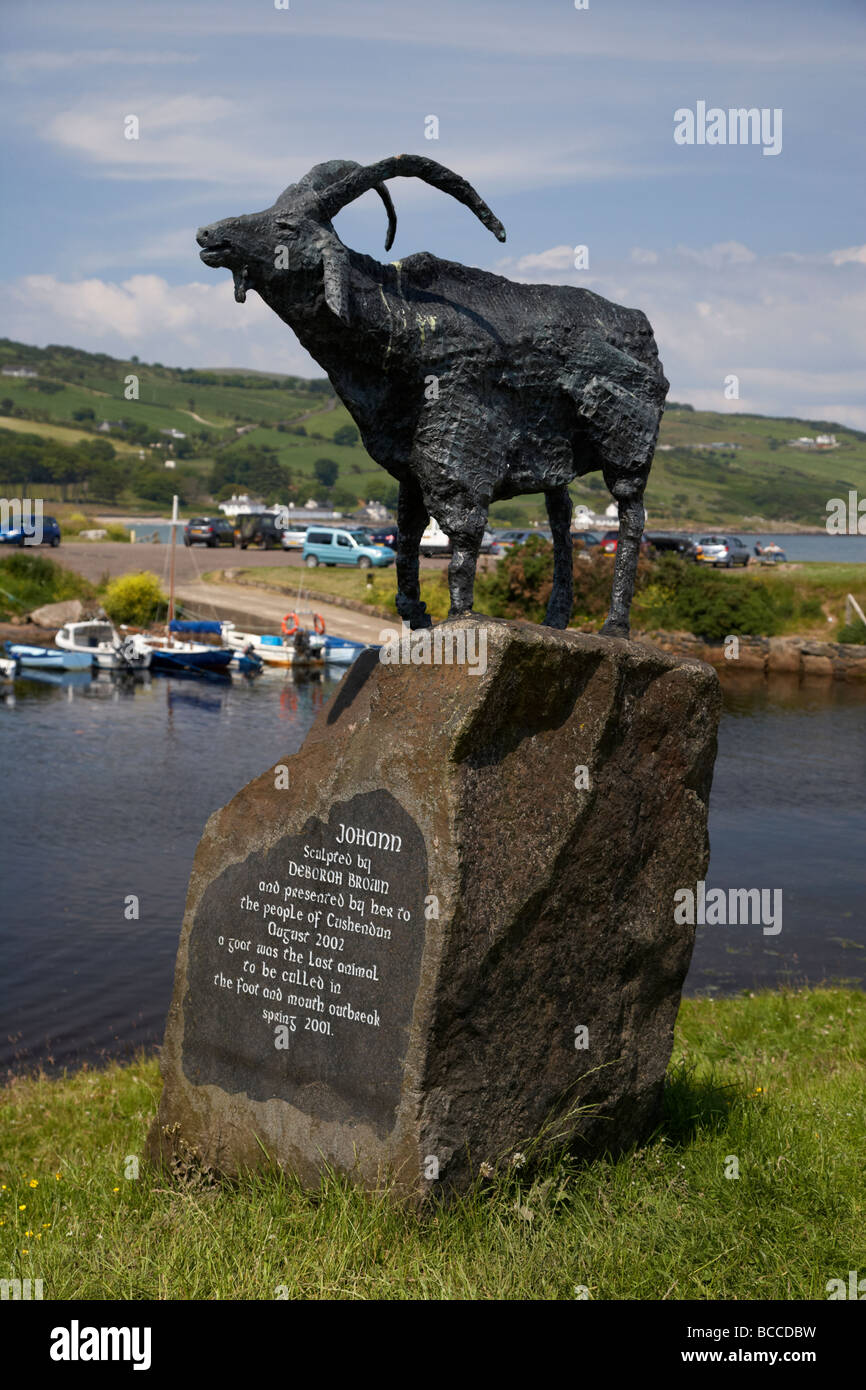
(275, 650)
(104, 645)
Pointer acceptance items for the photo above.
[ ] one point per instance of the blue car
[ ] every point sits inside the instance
(332, 546)
(26, 533)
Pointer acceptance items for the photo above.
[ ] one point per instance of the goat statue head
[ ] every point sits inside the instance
(291, 254)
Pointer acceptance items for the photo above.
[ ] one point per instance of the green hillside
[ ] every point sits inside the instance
(267, 434)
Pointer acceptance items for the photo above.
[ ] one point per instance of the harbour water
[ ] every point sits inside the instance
(798, 546)
(107, 788)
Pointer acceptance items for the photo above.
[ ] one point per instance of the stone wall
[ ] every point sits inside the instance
(797, 656)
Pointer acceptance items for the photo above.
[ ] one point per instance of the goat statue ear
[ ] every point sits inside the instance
(336, 272)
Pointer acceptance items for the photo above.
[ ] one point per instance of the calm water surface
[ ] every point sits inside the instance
(106, 790)
(798, 546)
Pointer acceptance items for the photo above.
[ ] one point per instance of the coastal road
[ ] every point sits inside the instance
(263, 612)
(253, 608)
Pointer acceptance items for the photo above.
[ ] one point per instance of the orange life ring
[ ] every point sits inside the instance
(290, 631)
(319, 624)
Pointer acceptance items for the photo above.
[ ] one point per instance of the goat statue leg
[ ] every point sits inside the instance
(631, 524)
(412, 518)
(562, 594)
(465, 545)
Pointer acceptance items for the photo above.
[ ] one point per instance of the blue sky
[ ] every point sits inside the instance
(747, 264)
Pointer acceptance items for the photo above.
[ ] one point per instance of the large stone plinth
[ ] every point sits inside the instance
(446, 926)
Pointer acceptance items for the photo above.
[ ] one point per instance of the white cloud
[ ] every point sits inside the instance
(177, 324)
(853, 253)
(642, 257)
(557, 258)
(186, 137)
(221, 140)
(724, 253)
(793, 331)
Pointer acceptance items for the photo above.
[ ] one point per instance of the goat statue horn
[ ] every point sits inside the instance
(392, 215)
(408, 166)
(324, 176)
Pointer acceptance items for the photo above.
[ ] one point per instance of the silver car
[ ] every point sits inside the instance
(722, 550)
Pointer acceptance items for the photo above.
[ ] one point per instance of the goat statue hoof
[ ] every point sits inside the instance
(559, 621)
(612, 629)
(414, 612)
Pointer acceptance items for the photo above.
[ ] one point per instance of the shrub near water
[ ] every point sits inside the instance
(683, 596)
(852, 632)
(136, 599)
(27, 581)
(523, 580)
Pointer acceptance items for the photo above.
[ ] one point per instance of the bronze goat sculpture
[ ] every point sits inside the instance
(465, 386)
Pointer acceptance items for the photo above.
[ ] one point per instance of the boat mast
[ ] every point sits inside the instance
(171, 568)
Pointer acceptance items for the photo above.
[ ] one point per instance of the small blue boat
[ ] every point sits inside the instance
(189, 658)
(48, 658)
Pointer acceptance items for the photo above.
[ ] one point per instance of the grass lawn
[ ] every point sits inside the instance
(827, 583)
(774, 1081)
(352, 584)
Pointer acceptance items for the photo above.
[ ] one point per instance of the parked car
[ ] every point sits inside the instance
(509, 539)
(435, 542)
(330, 546)
(589, 538)
(293, 540)
(386, 535)
(723, 551)
(25, 534)
(609, 541)
(209, 530)
(259, 528)
(679, 545)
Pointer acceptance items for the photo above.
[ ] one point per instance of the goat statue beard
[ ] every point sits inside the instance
(242, 284)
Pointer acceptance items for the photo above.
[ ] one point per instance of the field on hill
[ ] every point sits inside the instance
(268, 434)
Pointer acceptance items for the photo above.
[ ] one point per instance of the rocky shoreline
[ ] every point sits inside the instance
(769, 656)
(802, 657)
